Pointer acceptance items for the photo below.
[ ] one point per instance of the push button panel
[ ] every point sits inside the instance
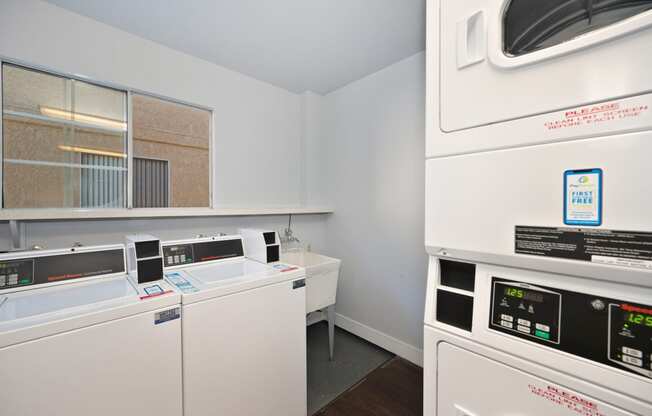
(177, 255)
(630, 341)
(611, 332)
(535, 311)
(15, 273)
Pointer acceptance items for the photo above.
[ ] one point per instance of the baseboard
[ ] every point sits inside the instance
(391, 344)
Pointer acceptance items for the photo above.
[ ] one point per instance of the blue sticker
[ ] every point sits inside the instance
(153, 290)
(180, 282)
(583, 197)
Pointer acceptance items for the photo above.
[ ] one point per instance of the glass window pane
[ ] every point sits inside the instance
(64, 142)
(531, 25)
(171, 154)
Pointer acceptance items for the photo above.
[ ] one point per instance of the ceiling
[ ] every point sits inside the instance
(299, 45)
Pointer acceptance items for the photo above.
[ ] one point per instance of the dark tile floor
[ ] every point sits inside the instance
(394, 389)
(362, 380)
(354, 358)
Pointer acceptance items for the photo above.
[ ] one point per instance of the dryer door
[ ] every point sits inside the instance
(472, 385)
(502, 60)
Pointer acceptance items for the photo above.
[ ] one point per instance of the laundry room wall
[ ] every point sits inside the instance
(373, 133)
(258, 143)
(359, 149)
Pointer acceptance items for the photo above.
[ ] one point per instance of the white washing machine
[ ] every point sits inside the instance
(77, 338)
(244, 332)
(538, 194)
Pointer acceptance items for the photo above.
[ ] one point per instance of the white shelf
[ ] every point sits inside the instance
(48, 214)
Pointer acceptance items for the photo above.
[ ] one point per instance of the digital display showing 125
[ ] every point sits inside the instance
(514, 292)
(638, 319)
(523, 294)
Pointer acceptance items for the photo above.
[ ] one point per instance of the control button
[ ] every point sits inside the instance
(633, 361)
(531, 309)
(13, 279)
(3, 280)
(507, 318)
(524, 322)
(507, 324)
(24, 281)
(182, 258)
(521, 306)
(633, 352)
(504, 303)
(525, 329)
(541, 334)
(176, 259)
(542, 327)
(170, 259)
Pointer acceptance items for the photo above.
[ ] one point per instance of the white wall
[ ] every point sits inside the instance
(373, 130)
(258, 146)
(359, 148)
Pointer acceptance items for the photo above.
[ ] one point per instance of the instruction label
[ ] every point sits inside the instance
(609, 112)
(573, 403)
(619, 248)
(168, 315)
(180, 282)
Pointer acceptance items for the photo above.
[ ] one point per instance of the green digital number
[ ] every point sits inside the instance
(514, 292)
(639, 319)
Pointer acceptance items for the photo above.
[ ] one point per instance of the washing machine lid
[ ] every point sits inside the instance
(205, 281)
(45, 303)
(37, 313)
(222, 273)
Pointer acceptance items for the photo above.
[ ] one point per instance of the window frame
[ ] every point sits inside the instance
(130, 92)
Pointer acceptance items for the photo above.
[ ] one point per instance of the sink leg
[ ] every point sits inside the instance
(331, 329)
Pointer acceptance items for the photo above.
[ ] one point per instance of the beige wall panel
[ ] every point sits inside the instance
(181, 120)
(30, 186)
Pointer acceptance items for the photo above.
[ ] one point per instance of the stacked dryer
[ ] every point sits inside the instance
(538, 202)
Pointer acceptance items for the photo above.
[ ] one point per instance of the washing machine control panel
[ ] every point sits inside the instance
(51, 266)
(613, 332)
(201, 251)
(526, 310)
(14, 273)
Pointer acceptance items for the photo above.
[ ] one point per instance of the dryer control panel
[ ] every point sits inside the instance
(613, 332)
(527, 310)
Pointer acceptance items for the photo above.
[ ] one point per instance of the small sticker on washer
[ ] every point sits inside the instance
(153, 290)
(180, 282)
(167, 315)
(298, 283)
(284, 267)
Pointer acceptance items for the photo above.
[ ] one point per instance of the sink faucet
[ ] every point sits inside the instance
(289, 237)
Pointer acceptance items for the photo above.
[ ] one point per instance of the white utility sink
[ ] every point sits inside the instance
(321, 277)
(322, 273)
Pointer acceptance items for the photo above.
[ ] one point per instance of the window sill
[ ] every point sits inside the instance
(79, 214)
